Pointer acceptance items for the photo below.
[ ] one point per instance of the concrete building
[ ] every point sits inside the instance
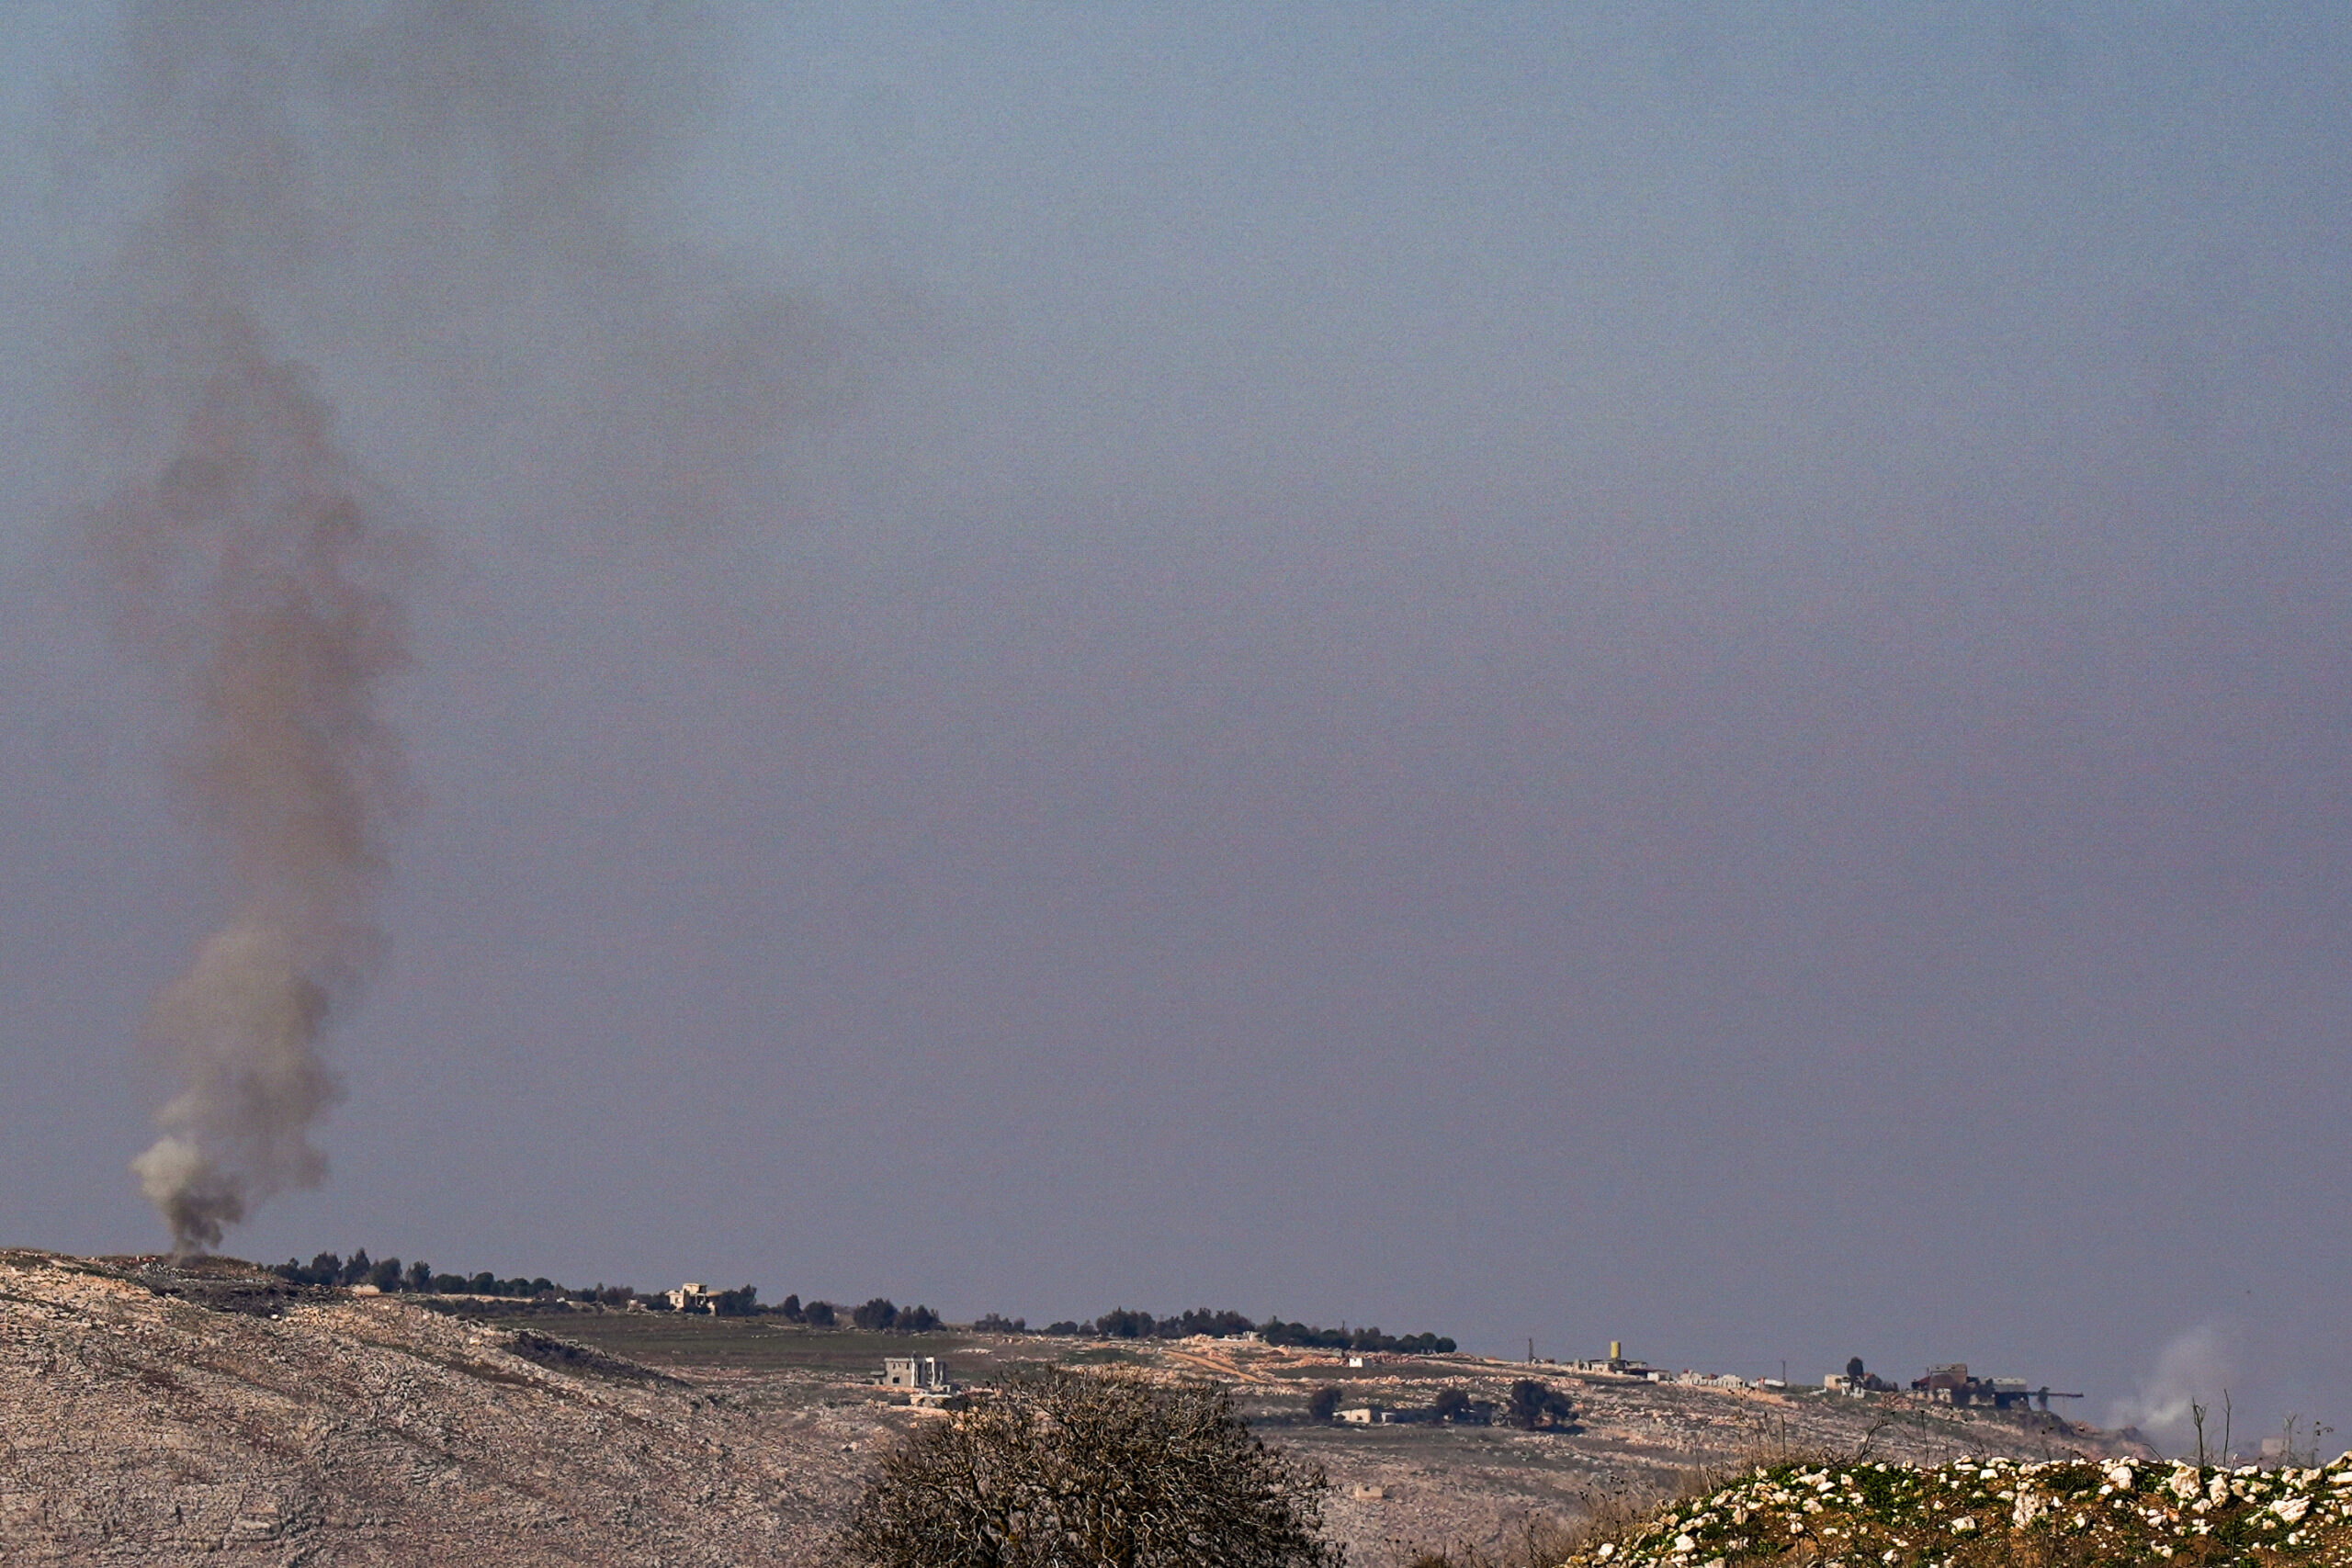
(914, 1371)
(692, 1296)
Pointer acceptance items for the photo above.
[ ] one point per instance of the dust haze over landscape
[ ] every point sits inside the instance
(1522, 672)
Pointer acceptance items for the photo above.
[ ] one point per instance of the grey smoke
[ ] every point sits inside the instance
(457, 217)
(2193, 1370)
(256, 570)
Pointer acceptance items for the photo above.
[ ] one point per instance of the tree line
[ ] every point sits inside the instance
(1275, 1331)
(391, 1276)
(1125, 1323)
(880, 1314)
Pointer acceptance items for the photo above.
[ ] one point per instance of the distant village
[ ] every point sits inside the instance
(1952, 1383)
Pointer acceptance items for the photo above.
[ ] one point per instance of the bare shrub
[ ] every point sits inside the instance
(1065, 1469)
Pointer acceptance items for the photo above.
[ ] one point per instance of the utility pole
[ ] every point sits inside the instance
(1531, 1350)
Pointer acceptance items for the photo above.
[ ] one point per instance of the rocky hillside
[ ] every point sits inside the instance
(155, 1413)
(1995, 1513)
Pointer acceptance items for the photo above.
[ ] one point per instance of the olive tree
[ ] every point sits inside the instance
(1068, 1470)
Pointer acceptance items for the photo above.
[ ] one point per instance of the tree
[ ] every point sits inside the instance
(1451, 1404)
(1323, 1404)
(1275, 1331)
(1120, 1323)
(741, 1301)
(1535, 1406)
(420, 1277)
(820, 1314)
(1855, 1370)
(875, 1315)
(386, 1274)
(1201, 1320)
(1064, 1470)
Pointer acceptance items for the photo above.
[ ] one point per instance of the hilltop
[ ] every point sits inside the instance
(158, 1412)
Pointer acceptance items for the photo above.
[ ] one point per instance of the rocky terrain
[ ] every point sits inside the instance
(161, 1413)
(151, 1414)
(1995, 1513)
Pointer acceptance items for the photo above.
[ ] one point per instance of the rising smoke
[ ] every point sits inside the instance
(256, 570)
(2193, 1373)
(454, 210)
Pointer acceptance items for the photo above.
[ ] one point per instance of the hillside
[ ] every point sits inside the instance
(156, 1412)
(153, 1414)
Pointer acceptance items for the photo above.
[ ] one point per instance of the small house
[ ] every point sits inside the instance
(913, 1372)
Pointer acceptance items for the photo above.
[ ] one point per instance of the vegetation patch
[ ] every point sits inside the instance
(1977, 1514)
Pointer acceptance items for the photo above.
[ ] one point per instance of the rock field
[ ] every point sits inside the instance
(1972, 1513)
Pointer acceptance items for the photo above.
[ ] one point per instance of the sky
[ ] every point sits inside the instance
(1674, 674)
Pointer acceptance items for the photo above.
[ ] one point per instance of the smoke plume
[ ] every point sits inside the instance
(463, 218)
(254, 567)
(2192, 1372)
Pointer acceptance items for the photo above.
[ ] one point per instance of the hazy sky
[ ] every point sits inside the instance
(1667, 673)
